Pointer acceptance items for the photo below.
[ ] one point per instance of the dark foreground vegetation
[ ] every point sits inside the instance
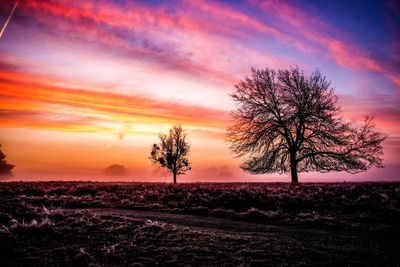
(146, 224)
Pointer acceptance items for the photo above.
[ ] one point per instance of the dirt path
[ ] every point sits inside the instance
(258, 243)
(193, 221)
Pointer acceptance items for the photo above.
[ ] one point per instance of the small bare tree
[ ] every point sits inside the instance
(286, 121)
(172, 152)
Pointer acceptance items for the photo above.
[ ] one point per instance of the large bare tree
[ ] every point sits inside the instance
(172, 152)
(287, 121)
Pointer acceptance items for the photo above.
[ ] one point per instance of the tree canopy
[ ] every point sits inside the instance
(287, 121)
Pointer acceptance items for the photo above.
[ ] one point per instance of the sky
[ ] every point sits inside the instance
(88, 84)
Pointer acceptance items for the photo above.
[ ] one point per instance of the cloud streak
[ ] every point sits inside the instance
(192, 39)
(344, 53)
(33, 95)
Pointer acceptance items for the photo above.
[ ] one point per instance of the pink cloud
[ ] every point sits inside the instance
(196, 39)
(312, 28)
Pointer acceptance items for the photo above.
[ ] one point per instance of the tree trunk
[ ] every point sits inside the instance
(295, 180)
(174, 178)
(293, 170)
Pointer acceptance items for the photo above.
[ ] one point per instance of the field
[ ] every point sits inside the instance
(147, 224)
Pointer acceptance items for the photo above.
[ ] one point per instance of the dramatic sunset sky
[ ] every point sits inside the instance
(87, 84)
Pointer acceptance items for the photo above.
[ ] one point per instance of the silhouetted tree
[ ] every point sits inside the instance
(172, 152)
(5, 168)
(286, 121)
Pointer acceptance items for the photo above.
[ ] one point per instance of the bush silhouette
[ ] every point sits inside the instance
(5, 168)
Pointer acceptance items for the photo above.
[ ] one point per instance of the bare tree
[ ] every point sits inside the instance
(172, 152)
(286, 121)
(5, 168)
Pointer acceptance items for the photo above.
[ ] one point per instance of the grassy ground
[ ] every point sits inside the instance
(81, 224)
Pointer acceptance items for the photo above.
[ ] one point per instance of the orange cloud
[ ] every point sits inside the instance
(34, 96)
